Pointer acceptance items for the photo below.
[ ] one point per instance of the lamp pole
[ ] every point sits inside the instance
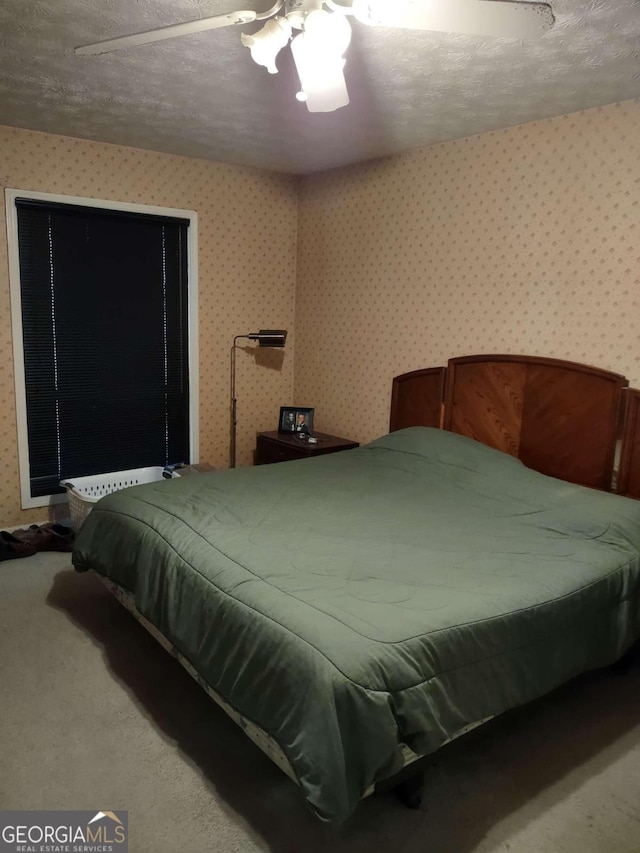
(234, 402)
(265, 338)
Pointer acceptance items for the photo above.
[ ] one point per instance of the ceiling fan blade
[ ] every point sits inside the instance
(172, 31)
(501, 18)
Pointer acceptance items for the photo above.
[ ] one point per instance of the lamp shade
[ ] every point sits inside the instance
(269, 337)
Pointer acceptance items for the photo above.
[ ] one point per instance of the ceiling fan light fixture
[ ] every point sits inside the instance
(321, 74)
(298, 11)
(267, 43)
(318, 55)
(330, 32)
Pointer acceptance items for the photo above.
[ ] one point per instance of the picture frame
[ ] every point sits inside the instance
(295, 420)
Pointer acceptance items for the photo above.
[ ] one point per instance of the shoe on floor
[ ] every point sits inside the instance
(47, 537)
(11, 548)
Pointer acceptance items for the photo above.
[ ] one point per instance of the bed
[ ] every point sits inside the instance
(357, 611)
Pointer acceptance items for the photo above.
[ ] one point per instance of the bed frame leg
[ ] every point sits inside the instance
(409, 792)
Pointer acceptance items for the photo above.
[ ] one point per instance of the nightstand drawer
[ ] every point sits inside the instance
(268, 452)
(275, 447)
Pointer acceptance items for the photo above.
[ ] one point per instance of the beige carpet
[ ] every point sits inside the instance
(94, 715)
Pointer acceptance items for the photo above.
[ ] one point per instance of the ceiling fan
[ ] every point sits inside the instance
(324, 33)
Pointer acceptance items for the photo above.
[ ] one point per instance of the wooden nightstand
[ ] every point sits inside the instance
(276, 447)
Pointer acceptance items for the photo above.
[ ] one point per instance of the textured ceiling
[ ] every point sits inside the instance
(202, 95)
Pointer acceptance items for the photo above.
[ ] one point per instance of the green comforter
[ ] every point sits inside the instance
(393, 593)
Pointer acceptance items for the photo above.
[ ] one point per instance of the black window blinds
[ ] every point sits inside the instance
(105, 330)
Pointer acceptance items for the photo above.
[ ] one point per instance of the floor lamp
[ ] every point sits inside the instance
(265, 338)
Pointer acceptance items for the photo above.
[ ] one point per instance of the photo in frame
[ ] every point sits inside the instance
(296, 419)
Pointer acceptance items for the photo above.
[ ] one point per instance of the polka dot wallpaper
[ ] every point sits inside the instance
(521, 240)
(247, 263)
(525, 240)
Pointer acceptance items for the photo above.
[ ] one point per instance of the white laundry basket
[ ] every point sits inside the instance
(85, 492)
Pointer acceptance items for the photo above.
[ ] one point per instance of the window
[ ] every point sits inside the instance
(105, 303)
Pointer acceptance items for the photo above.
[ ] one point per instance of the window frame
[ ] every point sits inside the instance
(27, 501)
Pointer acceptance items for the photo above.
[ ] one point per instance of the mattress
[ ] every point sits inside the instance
(388, 595)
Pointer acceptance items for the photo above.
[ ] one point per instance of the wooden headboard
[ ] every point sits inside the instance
(559, 417)
(416, 398)
(629, 471)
